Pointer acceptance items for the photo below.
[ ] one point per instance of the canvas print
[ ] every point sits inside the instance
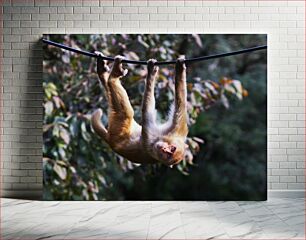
(155, 117)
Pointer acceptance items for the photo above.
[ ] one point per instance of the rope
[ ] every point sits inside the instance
(191, 60)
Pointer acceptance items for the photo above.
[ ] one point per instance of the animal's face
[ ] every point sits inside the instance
(170, 153)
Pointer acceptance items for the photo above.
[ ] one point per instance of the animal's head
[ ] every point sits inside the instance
(169, 151)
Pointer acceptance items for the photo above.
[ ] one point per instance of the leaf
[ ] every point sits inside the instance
(61, 121)
(181, 168)
(245, 93)
(56, 183)
(216, 85)
(61, 163)
(197, 40)
(48, 94)
(46, 127)
(224, 101)
(84, 132)
(61, 151)
(61, 171)
(198, 86)
(50, 89)
(102, 179)
(48, 108)
(189, 86)
(72, 169)
(225, 81)
(65, 58)
(65, 136)
(57, 101)
(238, 86)
(55, 131)
(198, 139)
(210, 87)
(132, 55)
(87, 99)
(143, 43)
(74, 127)
(230, 89)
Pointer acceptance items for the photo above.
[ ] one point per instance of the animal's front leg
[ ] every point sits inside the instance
(148, 103)
(179, 124)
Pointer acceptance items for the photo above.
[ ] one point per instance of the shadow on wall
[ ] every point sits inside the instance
(30, 125)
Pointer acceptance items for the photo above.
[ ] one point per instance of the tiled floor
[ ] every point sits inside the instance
(274, 219)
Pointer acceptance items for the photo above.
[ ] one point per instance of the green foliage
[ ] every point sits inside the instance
(79, 166)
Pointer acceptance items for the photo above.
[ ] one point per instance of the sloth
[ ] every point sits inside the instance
(149, 142)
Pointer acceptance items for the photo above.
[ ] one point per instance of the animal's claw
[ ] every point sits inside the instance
(118, 70)
(101, 63)
(180, 63)
(152, 68)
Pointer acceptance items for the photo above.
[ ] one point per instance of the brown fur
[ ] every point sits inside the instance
(124, 135)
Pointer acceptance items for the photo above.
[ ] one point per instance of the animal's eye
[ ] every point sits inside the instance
(173, 148)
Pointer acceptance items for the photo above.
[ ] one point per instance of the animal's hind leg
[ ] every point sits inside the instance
(119, 103)
(103, 71)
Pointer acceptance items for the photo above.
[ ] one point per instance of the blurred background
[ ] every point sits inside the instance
(227, 109)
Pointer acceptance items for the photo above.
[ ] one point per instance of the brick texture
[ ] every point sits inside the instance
(24, 22)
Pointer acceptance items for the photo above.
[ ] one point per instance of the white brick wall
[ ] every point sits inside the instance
(24, 21)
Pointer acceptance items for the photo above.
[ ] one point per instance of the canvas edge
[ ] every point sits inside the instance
(34, 194)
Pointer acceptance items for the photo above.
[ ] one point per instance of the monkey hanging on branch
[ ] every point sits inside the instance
(152, 142)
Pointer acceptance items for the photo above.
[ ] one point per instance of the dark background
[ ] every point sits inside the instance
(227, 108)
